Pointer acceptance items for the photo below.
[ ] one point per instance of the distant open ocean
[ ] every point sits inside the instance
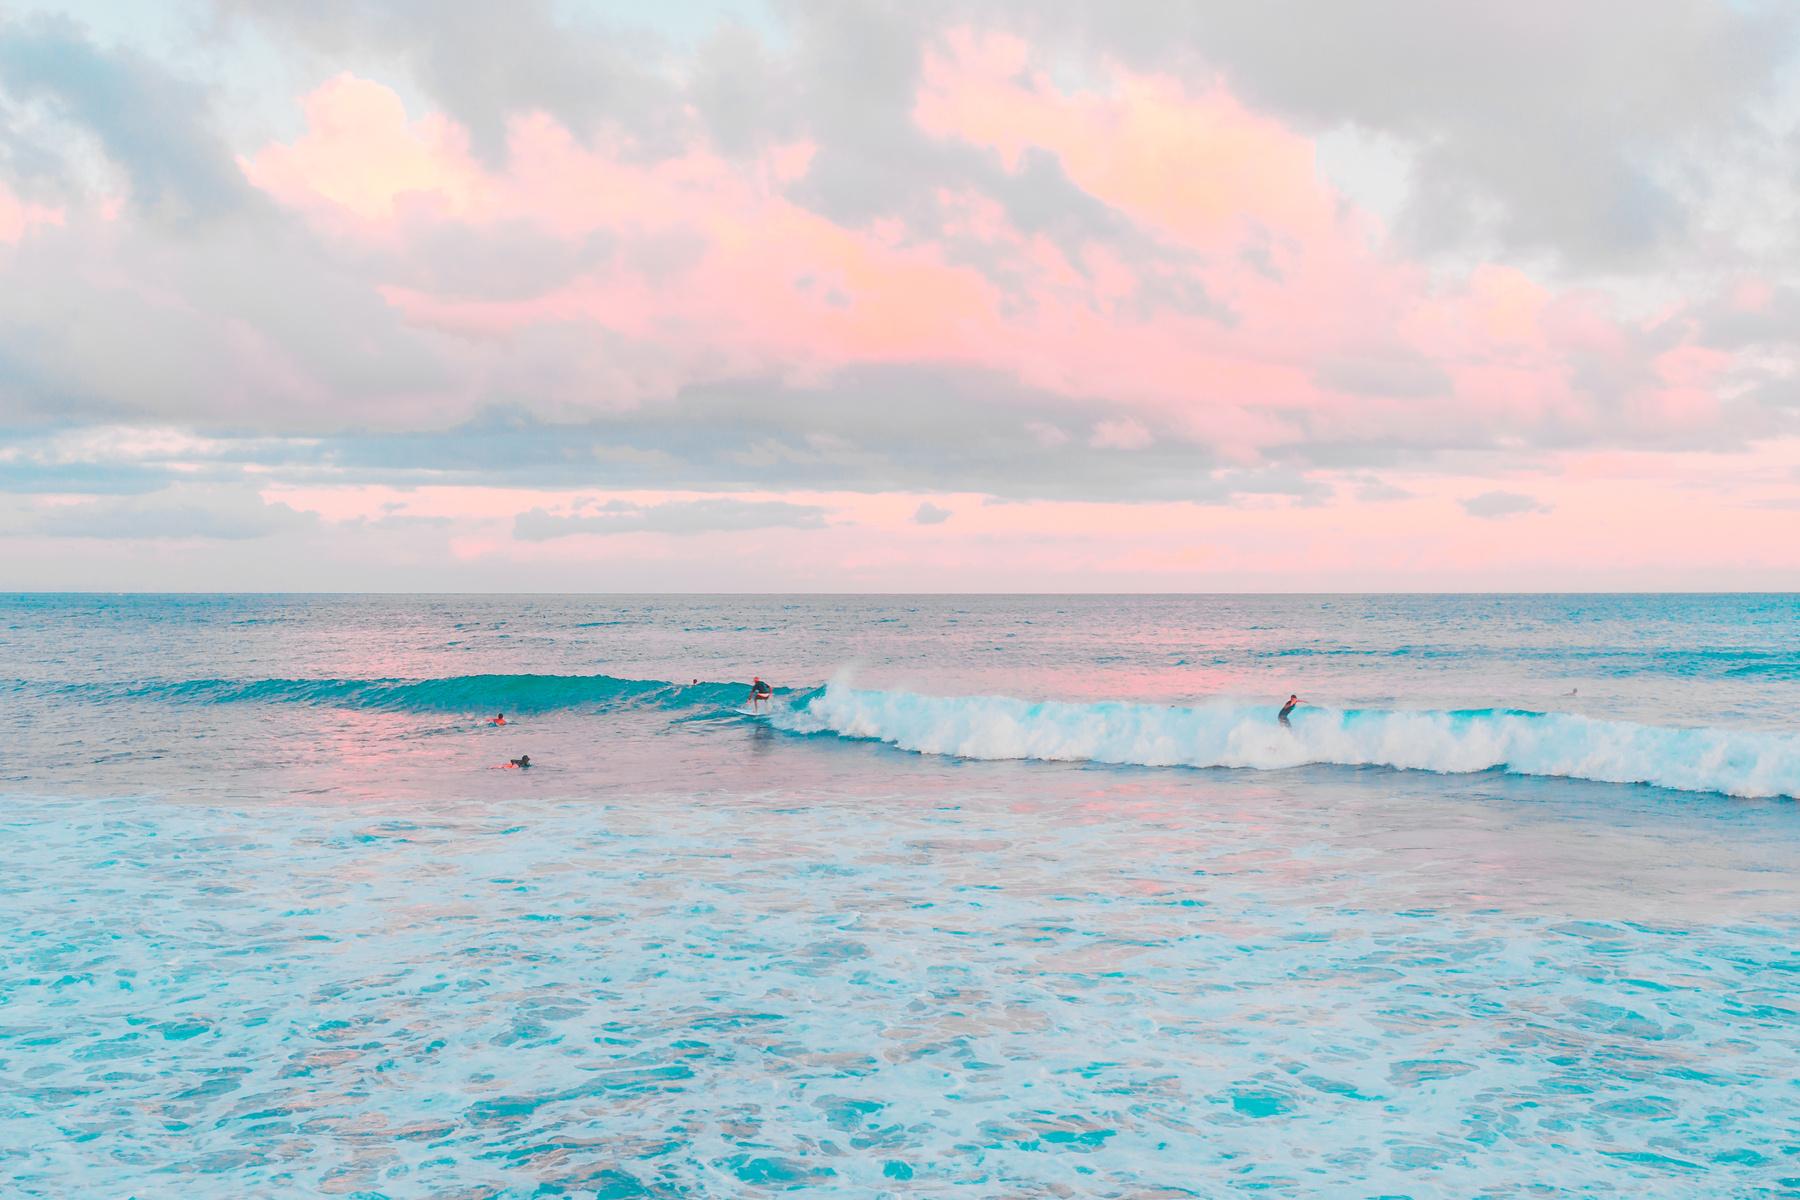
(1003, 897)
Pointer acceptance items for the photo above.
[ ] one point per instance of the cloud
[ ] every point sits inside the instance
(872, 429)
(1493, 505)
(154, 125)
(930, 514)
(740, 91)
(1536, 127)
(180, 514)
(1376, 491)
(1402, 377)
(486, 64)
(1051, 251)
(719, 514)
(1062, 252)
(1123, 434)
(127, 479)
(1541, 125)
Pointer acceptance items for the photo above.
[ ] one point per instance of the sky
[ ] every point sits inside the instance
(796, 296)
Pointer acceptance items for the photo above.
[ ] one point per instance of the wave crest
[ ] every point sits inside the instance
(1731, 761)
(458, 693)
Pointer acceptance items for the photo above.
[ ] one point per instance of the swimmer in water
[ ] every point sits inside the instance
(759, 691)
(499, 719)
(1282, 716)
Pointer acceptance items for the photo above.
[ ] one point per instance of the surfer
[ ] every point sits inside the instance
(759, 691)
(519, 763)
(499, 719)
(1282, 716)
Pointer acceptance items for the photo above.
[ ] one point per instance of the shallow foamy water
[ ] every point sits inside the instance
(1125, 985)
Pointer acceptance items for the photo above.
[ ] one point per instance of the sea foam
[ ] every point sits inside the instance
(1731, 761)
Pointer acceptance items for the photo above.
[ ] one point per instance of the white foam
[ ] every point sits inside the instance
(1732, 761)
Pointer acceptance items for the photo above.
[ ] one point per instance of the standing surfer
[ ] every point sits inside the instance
(1293, 703)
(759, 692)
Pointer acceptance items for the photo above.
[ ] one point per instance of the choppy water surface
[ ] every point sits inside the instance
(959, 922)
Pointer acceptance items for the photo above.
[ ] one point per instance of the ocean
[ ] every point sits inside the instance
(1021, 896)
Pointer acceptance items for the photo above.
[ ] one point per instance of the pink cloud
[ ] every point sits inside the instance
(18, 218)
(1299, 312)
(361, 155)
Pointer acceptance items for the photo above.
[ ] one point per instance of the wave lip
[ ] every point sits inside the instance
(457, 693)
(1731, 761)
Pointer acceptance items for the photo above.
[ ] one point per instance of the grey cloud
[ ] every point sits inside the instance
(1401, 377)
(1729, 328)
(401, 521)
(150, 123)
(1377, 491)
(136, 462)
(189, 513)
(935, 430)
(931, 514)
(1491, 505)
(932, 432)
(739, 91)
(485, 63)
(870, 429)
(717, 514)
(82, 478)
(857, 72)
(1770, 391)
(1558, 120)
(920, 429)
(268, 332)
(515, 260)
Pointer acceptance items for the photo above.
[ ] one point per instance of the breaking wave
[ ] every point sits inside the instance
(457, 693)
(1732, 761)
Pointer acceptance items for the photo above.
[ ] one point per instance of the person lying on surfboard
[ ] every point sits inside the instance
(759, 691)
(499, 719)
(521, 762)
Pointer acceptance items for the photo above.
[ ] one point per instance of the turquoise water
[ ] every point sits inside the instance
(1008, 897)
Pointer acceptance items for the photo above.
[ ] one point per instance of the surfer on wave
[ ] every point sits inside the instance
(1290, 706)
(759, 692)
